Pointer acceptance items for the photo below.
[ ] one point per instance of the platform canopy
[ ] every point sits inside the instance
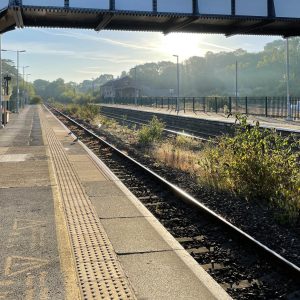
(229, 17)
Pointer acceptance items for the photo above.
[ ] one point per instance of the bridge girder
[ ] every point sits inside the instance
(19, 16)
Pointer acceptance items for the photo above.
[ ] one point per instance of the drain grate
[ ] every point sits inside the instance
(100, 275)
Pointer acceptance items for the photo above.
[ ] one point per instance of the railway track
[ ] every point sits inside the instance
(242, 265)
(173, 130)
(205, 129)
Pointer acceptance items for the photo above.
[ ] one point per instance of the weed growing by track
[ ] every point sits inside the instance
(85, 112)
(151, 133)
(257, 164)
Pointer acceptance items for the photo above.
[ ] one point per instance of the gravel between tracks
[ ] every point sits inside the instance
(253, 217)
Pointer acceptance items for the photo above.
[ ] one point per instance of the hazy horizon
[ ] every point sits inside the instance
(77, 55)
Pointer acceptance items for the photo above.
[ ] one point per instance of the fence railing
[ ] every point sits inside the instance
(259, 106)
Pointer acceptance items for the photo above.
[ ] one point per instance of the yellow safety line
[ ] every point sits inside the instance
(67, 263)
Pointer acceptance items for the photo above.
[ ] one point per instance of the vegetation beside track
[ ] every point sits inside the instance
(255, 165)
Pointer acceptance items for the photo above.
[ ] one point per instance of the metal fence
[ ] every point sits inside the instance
(259, 106)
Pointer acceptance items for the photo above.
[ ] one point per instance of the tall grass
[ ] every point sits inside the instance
(257, 164)
(151, 133)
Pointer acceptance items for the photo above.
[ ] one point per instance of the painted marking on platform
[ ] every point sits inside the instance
(14, 157)
(30, 290)
(18, 264)
(21, 224)
(37, 228)
(4, 295)
(6, 283)
(43, 288)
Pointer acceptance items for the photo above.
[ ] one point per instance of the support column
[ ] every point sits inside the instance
(154, 6)
(112, 5)
(271, 9)
(233, 7)
(195, 7)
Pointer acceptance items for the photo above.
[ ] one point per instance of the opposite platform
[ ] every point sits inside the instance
(71, 230)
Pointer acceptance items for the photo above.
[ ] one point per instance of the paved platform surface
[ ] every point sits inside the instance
(69, 229)
(264, 121)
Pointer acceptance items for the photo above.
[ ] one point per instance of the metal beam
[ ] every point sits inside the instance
(195, 7)
(154, 6)
(249, 28)
(271, 9)
(112, 4)
(233, 10)
(104, 22)
(17, 14)
(172, 26)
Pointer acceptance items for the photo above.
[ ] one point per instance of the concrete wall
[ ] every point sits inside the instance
(138, 5)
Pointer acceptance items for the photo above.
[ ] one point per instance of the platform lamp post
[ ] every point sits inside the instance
(18, 91)
(288, 98)
(1, 88)
(135, 89)
(27, 93)
(177, 102)
(24, 67)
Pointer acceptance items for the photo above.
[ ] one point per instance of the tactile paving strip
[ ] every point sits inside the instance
(99, 272)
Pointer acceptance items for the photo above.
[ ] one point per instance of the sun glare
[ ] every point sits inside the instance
(184, 45)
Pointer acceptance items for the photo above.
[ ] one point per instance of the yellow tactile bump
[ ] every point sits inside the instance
(100, 275)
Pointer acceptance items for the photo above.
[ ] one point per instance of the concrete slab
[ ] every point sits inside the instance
(24, 173)
(115, 207)
(3, 150)
(87, 171)
(170, 277)
(29, 255)
(134, 235)
(35, 150)
(14, 157)
(72, 148)
(102, 189)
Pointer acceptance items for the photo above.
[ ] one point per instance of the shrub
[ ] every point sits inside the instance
(36, 100)
(86, 112)
(258, 164)
(151, 132)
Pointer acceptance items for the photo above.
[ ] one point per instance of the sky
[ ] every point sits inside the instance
(77, 55)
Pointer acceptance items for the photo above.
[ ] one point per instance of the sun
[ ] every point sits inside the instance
(184, 45)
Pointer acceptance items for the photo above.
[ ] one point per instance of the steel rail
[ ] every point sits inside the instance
(110, 115)
(287, 265)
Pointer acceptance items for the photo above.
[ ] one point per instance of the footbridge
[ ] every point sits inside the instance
(229, 17)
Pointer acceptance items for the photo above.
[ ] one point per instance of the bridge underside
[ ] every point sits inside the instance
(19, 17)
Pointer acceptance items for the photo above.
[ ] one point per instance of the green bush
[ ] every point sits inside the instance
(86, 112)
(36, 100)
(151, 132)
(258, 164)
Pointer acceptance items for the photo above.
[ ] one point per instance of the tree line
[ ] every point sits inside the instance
(259, 74)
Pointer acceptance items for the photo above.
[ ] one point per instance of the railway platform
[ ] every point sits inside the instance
(69, 229)
(266, 122)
